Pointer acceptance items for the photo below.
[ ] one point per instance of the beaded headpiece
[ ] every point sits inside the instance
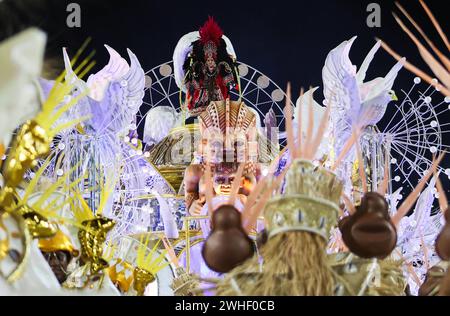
(310, 202)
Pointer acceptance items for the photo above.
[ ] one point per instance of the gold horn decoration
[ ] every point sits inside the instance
(142, 278)
(92, 238)
(120, 279)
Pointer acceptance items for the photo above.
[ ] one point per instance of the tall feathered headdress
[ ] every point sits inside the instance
(210, 31)
(210, 36)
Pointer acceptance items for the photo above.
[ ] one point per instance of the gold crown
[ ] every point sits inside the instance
(310, 201)
(59, 242)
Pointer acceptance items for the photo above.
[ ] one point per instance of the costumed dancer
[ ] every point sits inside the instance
(205, 70)
(210, 70)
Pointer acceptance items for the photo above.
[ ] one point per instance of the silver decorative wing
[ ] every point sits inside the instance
(116, 94)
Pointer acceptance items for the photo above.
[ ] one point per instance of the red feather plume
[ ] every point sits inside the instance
(210, 31)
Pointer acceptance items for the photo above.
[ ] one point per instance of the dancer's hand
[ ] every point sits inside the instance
(196, 208)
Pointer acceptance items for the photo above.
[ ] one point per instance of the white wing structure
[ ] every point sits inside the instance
(115, 93)
(352, 100)
(301, 114)
(107, 146)
(356, 102)
(417, 235)
(341, 91)
(114, 96)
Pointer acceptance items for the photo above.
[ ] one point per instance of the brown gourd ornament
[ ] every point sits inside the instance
(369, 232)
(228, 244)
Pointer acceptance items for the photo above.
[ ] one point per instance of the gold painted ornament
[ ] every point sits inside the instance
(118, 275)
(92, 238)
(31, 143)
(58, 242)
(142, 278)
(38, 225)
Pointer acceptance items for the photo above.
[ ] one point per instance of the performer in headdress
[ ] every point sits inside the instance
(209, 69)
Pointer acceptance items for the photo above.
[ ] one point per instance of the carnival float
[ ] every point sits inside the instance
(201, 176)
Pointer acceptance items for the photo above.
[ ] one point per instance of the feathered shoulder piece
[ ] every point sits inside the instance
(210, 31)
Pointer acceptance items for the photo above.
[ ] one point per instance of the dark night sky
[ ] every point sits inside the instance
(286, 40)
